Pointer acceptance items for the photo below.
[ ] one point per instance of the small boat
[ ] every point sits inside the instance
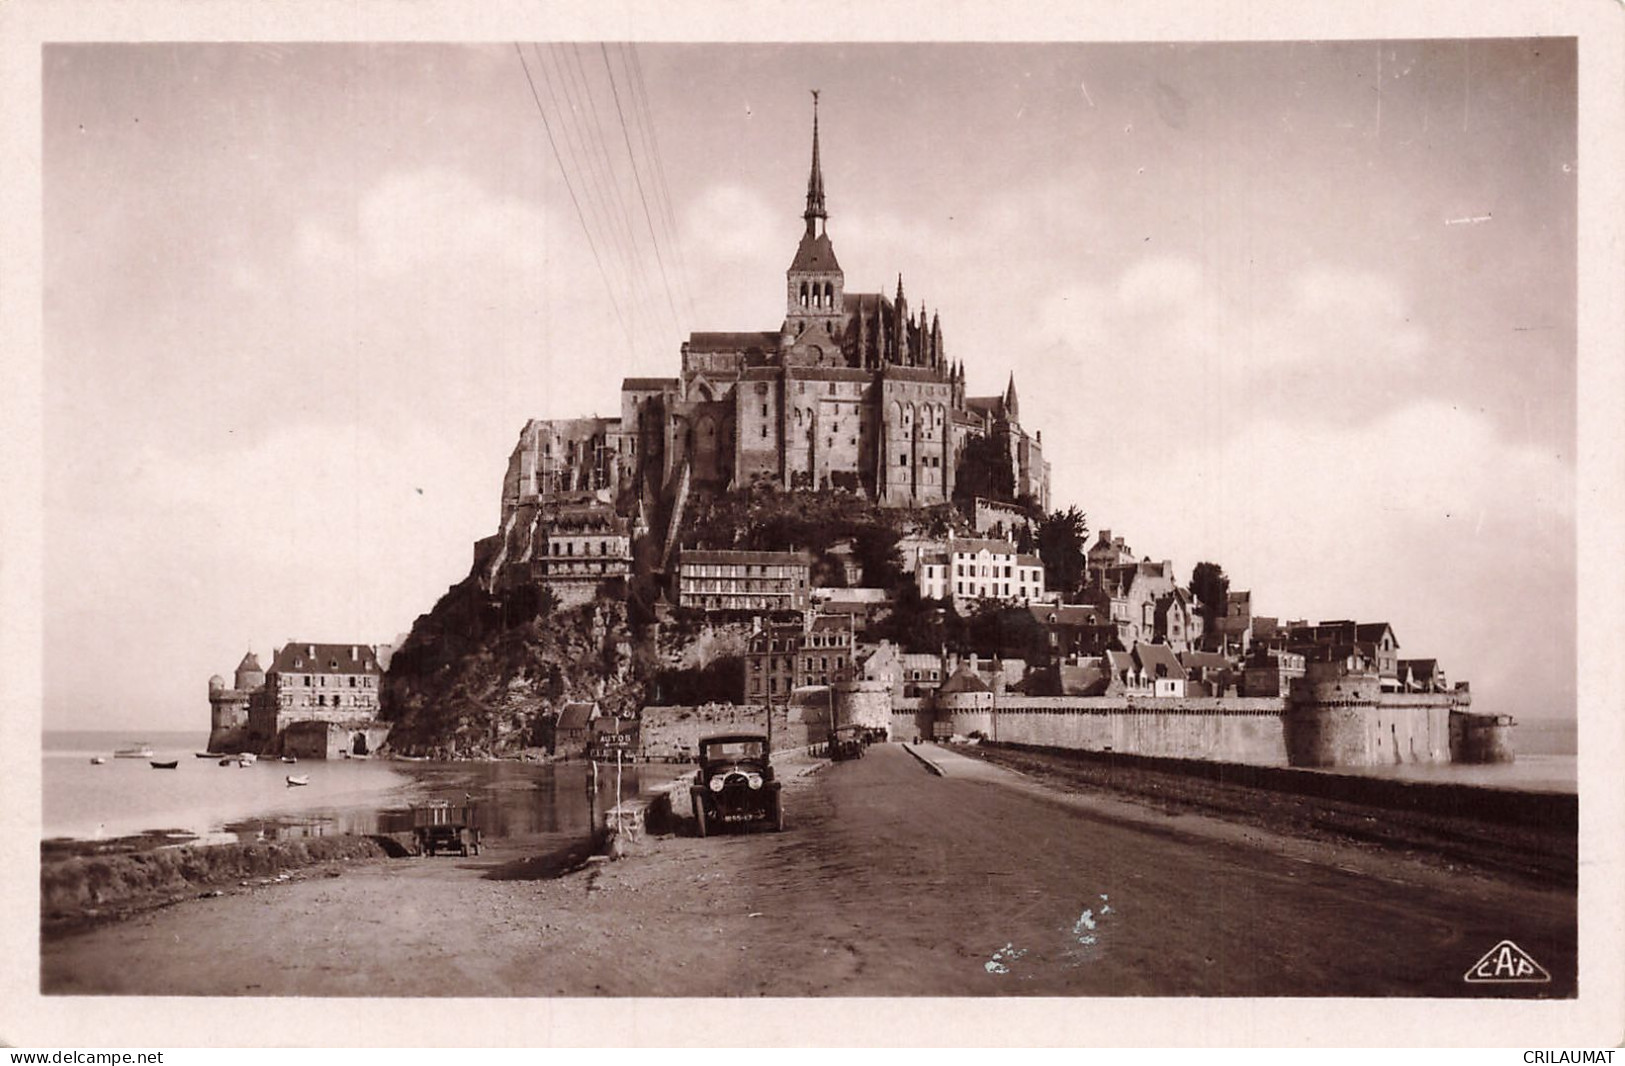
(290, 758)
(302, 779)
(205, 754)
(141, 750)
(227, 761)
(247, 758)
(170, 765)
(98, 760)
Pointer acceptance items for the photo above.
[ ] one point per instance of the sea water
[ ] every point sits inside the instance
(202, 800)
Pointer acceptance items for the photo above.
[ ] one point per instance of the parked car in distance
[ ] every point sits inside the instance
(734, 784)
(846, 742)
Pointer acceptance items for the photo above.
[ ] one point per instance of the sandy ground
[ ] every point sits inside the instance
(891, 880)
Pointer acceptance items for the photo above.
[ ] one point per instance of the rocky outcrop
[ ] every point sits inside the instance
(482, 676)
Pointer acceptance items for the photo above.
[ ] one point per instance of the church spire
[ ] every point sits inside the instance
(815, 179)
(1011, 410)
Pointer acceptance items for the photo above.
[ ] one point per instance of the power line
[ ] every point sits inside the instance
(641, 96)
(580, 215)
(610, 189)
(639, 179)
(576, 146)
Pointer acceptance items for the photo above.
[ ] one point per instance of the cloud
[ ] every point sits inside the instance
(1423, 518)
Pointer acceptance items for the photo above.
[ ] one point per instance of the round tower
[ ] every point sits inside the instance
(249, 675)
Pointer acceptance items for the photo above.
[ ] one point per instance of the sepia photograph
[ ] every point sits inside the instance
(606, 515)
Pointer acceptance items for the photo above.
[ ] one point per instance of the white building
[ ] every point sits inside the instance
(973, 568)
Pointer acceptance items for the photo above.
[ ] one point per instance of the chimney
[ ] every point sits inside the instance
(352, 652)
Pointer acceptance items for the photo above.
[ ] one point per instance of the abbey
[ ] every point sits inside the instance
(853, 390)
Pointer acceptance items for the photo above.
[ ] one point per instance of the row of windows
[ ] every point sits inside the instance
(744, 570)
(320, 681)
(925, 460)
(569, 547)
(786, 663)
(736, 603)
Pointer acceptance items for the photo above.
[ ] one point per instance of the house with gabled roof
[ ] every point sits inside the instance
(573, 731)
(1159, 666)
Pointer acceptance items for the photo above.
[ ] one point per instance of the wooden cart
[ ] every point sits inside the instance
(440, 826)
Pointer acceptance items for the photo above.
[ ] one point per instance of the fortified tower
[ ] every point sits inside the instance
(228, 707)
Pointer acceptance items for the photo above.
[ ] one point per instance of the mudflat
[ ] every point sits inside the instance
(890, 880)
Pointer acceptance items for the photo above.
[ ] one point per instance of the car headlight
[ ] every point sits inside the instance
(716, 783)
(754, 780)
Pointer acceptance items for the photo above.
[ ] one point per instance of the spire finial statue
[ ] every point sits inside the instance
(815, 179)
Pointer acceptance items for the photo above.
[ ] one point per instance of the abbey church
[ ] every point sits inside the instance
(853, 391)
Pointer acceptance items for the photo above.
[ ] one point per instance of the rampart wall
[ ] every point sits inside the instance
(1334, 727)
(675, 732)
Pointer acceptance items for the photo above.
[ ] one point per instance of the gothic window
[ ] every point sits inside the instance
(804, 294)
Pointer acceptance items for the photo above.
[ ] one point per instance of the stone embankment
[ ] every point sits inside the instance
(86, 887)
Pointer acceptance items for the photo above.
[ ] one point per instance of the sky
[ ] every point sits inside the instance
(1306, 310)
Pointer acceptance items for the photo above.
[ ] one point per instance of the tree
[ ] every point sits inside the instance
(984, 469)
(1063, 541)
(875, 549)
(1209, 586)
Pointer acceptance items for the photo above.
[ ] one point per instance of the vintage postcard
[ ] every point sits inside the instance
(1021, 527)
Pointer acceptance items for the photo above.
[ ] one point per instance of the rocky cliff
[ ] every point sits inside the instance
(483, 676)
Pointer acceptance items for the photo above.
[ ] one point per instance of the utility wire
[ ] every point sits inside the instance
(611, 190)
(574, 142)
(641, 95)
(639, 179)
(580, 215)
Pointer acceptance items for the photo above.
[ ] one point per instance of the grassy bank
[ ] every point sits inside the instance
(1541, 853)
(90, 887)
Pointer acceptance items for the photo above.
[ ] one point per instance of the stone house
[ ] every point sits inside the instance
(758, 582)
(306, 682)
(1270, 671)
(972, 569)
(573, 731)
(1127, 676)
(1160, 668)
(781, 658)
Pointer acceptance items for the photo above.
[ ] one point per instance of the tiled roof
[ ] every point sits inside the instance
(251, 663)
(294, 658)
(1152, 656)
(575, 715)
(1204, 660)
(971, 545)
(647, 384)
(1067, 614)
(815, 254)
(964, 679)
(732, 342)
(1029, 560)
(1373, 631)
(1083, 680)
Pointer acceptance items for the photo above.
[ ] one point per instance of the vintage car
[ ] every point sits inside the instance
(846, 742)
(734, 784)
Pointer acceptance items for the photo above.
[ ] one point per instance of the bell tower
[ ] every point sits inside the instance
(814, 283)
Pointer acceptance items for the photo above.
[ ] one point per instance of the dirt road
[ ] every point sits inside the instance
(890, 881)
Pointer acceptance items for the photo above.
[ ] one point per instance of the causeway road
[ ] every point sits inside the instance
(892, 879)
